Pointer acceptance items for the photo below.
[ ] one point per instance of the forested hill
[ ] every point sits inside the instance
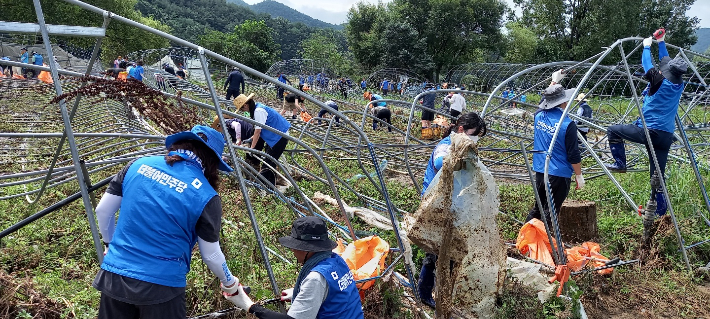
(703, 43)
(277, 9)
(192, 19)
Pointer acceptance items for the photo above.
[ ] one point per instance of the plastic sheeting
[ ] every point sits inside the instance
(459, 210)
(365, 258)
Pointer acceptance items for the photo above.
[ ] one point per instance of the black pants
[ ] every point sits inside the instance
(110, 308)
(559, 186)
(274, 152)
(455, 113)
(232, 93)
(661, 142)
(280, 93)
(384, 115)
(384, 92)
(324, 112)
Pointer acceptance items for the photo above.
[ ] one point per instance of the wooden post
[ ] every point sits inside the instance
(578, 221)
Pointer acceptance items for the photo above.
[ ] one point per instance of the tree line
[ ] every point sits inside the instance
(427, 37)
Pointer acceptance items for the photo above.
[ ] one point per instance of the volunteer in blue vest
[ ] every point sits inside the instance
(385, 87)
(584, 111)
(137, 72)
(659, 110)
(266, 116)
(24, 58)
(325, 287)
(428, 101)
(168, 203)
(472, 125)
(565, 159)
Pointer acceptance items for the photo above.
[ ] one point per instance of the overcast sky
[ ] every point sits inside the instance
(335, 11)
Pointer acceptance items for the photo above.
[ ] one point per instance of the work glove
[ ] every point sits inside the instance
(660, 34)
(240, 298)
(647, 42)
(558, 76)
(580, 181)
(287, 294)
(232, 289)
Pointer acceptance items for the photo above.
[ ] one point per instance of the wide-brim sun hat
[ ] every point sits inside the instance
(581, 97)
(240, 100)
(673, 69)
(212, 139)
(555, 95)
(308, 233)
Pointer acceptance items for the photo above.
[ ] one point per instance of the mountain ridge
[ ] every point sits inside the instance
(703, 40)
(277, 9)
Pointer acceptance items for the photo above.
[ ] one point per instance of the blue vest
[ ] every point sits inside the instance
(660, 109)
(25, 57)
(274, 120)
(136, 73)
(378, 97)
(386, 85)
(39, 60)
(343, 299)
(431, 168)
(247, 130)
(158, 196)
(545, 122)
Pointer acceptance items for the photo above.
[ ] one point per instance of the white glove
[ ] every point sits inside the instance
(232, 289)
(647, 42)
(558, 76)
(287, 294)
(240, 298)
(580, 181)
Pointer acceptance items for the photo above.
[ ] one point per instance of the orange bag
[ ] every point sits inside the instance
(18, 77)
(365, 258)
(533, 242)
(45, 77)
(305, 116)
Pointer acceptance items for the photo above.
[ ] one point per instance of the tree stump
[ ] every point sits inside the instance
(578, 221)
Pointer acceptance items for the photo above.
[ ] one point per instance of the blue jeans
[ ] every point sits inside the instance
(661, 142)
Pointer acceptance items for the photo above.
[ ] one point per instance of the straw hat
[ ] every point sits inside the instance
(241, 99)
(581, 97)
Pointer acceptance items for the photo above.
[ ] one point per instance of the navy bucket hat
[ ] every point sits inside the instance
(212, 139)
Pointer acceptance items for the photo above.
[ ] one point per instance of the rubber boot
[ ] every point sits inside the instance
(657, 193)
(426, 284)
(619, 154)
(649, 215)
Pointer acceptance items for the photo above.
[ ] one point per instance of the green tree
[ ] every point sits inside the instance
(577, 29)
(521, 44)
(120, 38)
(403, 48)
(251, 43)
(366, 23)
(324, 46)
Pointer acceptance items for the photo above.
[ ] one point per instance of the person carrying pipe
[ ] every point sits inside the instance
(168, 203)
(265, 115)
(474, 126)
(660, 106)
(565, 158)
(325, 287)
(379, 110)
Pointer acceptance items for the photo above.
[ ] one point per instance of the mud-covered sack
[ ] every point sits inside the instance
(462, 200)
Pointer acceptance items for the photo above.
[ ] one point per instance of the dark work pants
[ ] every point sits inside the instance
(455, 113)
(661, 142)
(559, 186)
(110, 308)
(274, 152)
(324, 112)
(280, 93)
(232, 93)
(384, 115)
